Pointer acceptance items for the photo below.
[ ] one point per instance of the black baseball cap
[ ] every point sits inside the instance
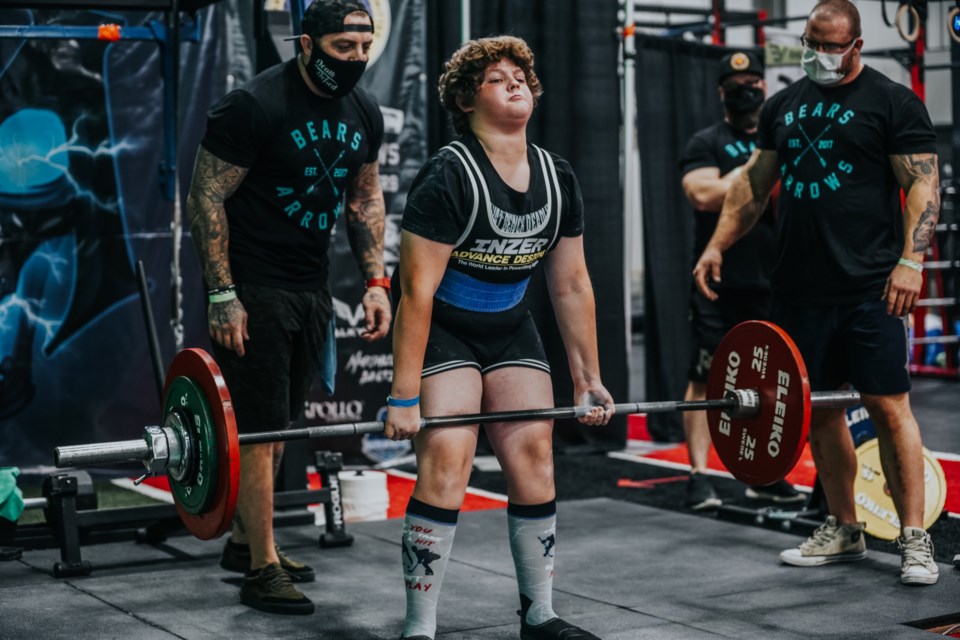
(740, 62)
(326, 16)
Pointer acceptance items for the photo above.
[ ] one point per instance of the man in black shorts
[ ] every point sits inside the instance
(843, 142)
(712, 159)
(282, 156)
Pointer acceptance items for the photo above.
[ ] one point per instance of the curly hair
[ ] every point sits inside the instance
(463, 73)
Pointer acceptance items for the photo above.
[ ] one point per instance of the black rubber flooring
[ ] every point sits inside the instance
(625, 571)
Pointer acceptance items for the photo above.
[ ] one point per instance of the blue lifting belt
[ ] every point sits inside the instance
(465, 292)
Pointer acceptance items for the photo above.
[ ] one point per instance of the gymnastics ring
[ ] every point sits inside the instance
(901, 11)
(952, 18)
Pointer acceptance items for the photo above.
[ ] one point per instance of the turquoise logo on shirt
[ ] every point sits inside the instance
(323, 144)
(738, 148)
(812, 166)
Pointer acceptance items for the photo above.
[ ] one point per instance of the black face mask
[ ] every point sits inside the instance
(334, 77)
(740, 98)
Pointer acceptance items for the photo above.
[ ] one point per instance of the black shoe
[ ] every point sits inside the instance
(236, 557)
(270, 589)
(781, 492)
(701, 494)
(554, 629)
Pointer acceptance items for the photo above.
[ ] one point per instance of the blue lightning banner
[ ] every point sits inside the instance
(82, 199)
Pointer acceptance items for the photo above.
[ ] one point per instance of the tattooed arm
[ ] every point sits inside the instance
(366, 218)
(213, 182)
(742, 207)
(919, 178)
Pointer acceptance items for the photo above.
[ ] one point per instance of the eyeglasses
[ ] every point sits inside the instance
(826, 47)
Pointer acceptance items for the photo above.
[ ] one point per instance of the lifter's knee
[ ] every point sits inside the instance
(441, 482)
(890, 413)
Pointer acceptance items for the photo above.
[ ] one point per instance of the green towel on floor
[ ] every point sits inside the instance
(11, 498)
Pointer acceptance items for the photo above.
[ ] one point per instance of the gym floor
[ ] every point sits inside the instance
(632, 564)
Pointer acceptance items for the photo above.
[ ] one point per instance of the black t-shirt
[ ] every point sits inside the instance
(302, 151)
(747, 264)
(841, 226)
(500, 234)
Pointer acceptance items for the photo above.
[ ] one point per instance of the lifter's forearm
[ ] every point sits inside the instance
(576, 315)
(410, 331)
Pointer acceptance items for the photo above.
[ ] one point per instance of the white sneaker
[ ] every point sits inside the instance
(829, 543)
(917, 565)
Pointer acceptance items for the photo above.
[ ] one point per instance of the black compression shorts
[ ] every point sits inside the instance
(482, 340)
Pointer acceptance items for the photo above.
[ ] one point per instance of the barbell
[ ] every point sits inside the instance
(758, 410)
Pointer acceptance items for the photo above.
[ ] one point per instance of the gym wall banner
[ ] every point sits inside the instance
(81, 146)
(395, 76)
(81, 129)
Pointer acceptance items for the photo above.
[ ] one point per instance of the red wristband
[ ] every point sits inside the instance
(378, 282)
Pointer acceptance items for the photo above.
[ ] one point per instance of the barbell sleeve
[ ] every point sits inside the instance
(82, 455)
(833, 399)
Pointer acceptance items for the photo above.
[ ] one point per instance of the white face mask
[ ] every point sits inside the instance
(823, 68)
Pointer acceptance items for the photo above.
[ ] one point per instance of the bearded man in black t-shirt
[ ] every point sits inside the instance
(282, 157)
(712, 159)
(843, 142)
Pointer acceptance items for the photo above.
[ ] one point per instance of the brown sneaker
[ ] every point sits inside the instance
(236, 557)
(917, 565)
(831, 542)
(270, 589)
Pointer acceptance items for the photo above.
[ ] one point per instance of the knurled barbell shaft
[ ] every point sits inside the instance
(823, 400)
(139, 451)
(359, 428)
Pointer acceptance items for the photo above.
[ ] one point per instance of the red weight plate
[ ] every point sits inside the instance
(761, 356)
(197, 365)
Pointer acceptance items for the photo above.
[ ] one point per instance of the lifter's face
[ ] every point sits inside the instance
(503, 94)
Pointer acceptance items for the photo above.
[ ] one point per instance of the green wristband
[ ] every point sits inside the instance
(912, 264)
(225, 296)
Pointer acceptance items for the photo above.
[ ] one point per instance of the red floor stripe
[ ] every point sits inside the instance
(804, 474)
(158, 482)
(399, 487)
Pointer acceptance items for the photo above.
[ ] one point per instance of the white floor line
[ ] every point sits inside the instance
(631, 457)
(151, 492)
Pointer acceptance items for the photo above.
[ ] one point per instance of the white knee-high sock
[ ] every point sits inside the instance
(427, 539)
(532, 538)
